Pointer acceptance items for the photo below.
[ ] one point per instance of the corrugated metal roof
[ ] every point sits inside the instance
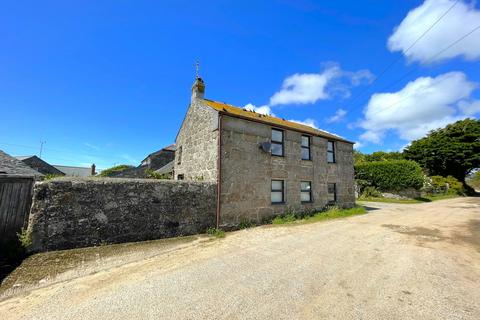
(274, 121)
(10, 166)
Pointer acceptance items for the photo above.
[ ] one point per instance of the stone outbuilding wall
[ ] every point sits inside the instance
(196, 145)
(79, 212)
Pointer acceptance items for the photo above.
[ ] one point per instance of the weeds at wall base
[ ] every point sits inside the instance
(329, 213)
(217, 233)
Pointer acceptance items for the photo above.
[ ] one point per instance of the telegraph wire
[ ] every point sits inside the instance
(401, 57)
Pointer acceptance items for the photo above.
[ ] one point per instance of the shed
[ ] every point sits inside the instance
(16, 187)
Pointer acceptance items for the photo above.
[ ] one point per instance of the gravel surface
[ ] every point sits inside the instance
(414, 261)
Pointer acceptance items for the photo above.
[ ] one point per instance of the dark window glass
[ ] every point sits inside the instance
(306, 148)
(332, 192)
(278, 191)
(277, 142)
(306, 191)
(180, 177)
(330, 152)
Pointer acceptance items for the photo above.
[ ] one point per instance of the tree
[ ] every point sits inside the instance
(453, 150)
(358, 157)
(384, 156)
(376, 156)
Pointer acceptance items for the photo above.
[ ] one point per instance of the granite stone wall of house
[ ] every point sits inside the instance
(196, 144)
(247, 172)
(80, 212)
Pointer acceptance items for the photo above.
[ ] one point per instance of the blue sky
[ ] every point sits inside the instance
(108, 82)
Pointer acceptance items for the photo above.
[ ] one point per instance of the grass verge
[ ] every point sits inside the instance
(332, 213)
(422, 199)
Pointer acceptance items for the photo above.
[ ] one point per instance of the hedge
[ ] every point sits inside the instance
(391, 175)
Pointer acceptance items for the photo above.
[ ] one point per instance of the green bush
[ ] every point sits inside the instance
(116, 169)
(371, 192)
(444, 185)
(391, 175)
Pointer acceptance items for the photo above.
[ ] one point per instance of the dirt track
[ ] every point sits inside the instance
(398, 262)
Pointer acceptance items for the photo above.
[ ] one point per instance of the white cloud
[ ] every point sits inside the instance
(307, 122)
(422, 105)
(338, 116)
(305, 88)
(358, 145)
(456, 23)
(92, 146)
(469, 107)
(262, 109)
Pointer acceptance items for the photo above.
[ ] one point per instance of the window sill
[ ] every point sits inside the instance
(276, 155)
(306, 202)
(274, 203)
(307, 160)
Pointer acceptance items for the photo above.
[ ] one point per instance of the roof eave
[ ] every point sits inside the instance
(332, 137)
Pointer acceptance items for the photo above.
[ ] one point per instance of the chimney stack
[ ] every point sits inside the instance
(198, 89)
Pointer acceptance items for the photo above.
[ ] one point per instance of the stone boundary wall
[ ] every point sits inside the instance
(80, 212)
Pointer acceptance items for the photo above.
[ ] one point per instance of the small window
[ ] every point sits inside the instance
(179, 152)
(331, 152)
(278, 191)
(306, 191)
(180, 177)
(277, 142)
(306, 147)
(332, 192)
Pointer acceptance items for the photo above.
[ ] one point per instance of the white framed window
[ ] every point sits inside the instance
(331, 152)
(277, 142)
(306, 154)
(332, 193)
(306, 191)
(278, 191)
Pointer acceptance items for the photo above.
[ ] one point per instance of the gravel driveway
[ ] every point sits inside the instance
(415, 261)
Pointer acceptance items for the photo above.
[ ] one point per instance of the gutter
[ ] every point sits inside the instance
(219, 168)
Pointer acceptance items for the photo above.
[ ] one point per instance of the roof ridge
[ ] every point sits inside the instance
(272, 120)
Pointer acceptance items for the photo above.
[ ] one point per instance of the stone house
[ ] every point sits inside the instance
(160, 161)
(40, 165)
(263, 165)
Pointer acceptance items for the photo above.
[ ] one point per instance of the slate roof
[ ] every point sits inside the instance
(75, 171)
(168, 168)
(10, 166)
(274, 121)
(39, 165)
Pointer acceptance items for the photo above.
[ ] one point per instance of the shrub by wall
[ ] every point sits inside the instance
(392, 175)
(444, 185)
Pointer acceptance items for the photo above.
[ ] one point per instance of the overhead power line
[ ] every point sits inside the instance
(416, 68)
(400, 58)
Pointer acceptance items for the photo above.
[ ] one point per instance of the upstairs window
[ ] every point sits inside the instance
(180, 177)
(306, 191)
(277, 142)
(330, 152)
(306, 148)
(332, 193)
(278, 191)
